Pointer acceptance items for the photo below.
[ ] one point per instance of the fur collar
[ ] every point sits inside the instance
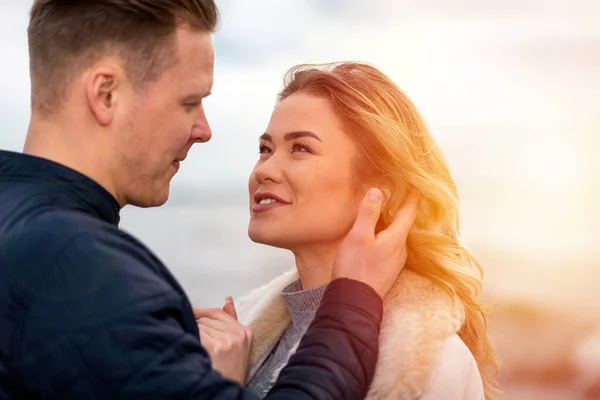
(418, 317)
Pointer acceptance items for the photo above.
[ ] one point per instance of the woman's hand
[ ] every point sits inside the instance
(226, 340)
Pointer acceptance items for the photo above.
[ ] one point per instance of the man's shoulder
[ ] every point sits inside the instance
(73, 244)
(41, 236)
(66, 265)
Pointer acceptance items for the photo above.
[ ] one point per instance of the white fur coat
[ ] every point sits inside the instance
(420, 354)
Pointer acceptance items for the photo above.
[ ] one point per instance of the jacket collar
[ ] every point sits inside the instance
(418, 318)
(66, 186)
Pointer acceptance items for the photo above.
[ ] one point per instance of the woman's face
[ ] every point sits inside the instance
(302, 190)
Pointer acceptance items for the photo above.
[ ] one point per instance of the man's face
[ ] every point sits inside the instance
(154, 130)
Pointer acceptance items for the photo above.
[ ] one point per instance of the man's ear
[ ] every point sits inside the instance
(101, 90)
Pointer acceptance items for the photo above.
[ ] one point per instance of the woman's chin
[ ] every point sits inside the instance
(257, 236)
(268, 239)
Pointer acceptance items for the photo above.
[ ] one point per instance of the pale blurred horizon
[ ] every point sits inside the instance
(552, 272)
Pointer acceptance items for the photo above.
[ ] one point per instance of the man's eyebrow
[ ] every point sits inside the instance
(291, 136)
(195, 96)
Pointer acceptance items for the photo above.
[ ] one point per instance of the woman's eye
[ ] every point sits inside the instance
(302, 147)
(264, 149)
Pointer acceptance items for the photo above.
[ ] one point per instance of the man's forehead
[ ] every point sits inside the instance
(206, 79)
(197, 57)
(206, 93)
(196, 45)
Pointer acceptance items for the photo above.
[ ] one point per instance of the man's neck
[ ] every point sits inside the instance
(50, 141)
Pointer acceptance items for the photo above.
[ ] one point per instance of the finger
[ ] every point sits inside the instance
(207, 340)
(215, 324)
(215, 333)
(214, 313)
(229, 307)
(403, 256)
(403, 221)
(368, 214)
(200, 312)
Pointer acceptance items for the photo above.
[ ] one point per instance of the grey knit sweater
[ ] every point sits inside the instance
(302, 306)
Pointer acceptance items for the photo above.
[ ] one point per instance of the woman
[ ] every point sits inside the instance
(337, 130)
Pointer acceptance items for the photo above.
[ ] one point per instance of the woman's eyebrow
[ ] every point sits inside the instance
(291, 136)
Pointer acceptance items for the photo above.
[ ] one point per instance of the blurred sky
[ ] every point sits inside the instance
(509, 88)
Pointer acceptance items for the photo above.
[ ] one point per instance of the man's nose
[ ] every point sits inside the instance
(201, 131)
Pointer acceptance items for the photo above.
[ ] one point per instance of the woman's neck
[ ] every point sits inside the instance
(314, 265)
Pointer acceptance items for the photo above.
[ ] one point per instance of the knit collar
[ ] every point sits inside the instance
(302, 304)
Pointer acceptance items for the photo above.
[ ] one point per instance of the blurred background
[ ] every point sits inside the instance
(510, 91)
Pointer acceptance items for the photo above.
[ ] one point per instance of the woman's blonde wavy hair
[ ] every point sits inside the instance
(398, 153)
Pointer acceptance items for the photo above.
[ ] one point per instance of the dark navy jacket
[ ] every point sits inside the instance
(88, 312)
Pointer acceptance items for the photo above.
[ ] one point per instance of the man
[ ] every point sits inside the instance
(87, 312)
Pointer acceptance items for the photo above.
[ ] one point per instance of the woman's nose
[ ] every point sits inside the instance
(269, 171)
